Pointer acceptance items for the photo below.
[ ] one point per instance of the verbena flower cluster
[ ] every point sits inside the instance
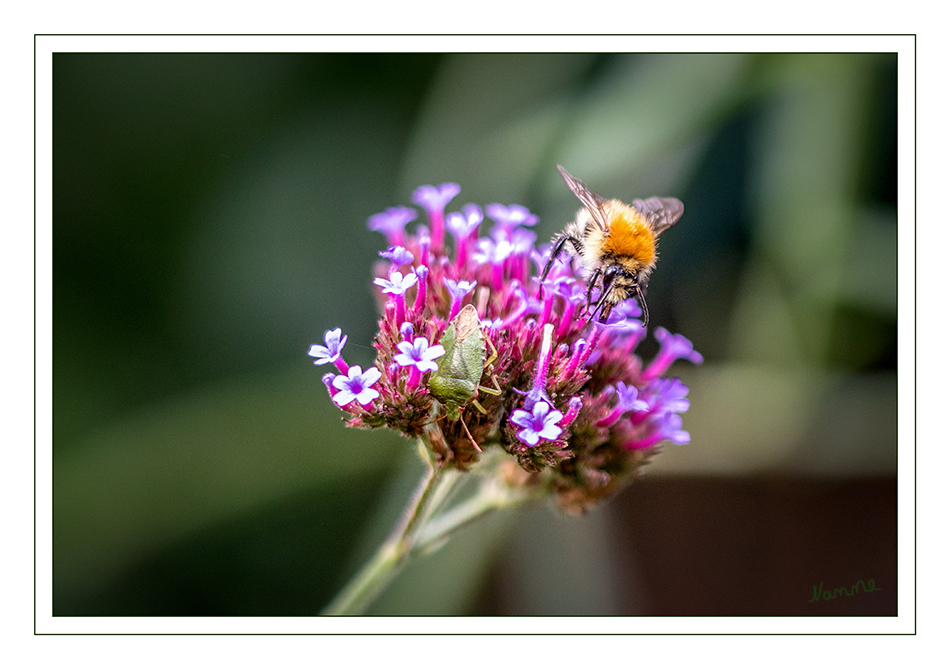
(579, 411)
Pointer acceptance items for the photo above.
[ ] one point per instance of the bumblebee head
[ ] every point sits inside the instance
(620, 285)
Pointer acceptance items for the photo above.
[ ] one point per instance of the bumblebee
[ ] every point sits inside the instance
(615, 243)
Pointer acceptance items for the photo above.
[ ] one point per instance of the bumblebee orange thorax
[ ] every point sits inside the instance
(629, 236)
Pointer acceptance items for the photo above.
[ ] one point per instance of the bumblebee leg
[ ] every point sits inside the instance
(602, 306)
(559, 243)
(591, 282)
(641, 298)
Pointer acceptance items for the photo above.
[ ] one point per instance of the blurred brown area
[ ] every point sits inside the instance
(746, 547)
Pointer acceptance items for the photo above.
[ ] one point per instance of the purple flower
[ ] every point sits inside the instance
(463, 226)
(573, 408)
(579, 352)
(526, 304)
(629, 309)
(666, 394)
(397, 284)
(494, 253)
(671, 428)
(620, 328)
(538, 393)
(509, 218)
(398, 255)
(392, 223)
(539, 256)
(540, 423)
(465, 223)
(569, 288)
(432, 198)
(627, 400)
(422, 273)
(356, 385)
(491, 252)
(420, 354)
(522, 241)
(575, 297)
(457, 291)
(672, 347)
(667, 426)
(331, 352)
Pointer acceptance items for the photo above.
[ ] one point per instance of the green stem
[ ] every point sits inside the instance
(419, 532)
(391, 556)
(492, 495)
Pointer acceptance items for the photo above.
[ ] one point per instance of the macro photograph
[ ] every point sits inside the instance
(475, 335)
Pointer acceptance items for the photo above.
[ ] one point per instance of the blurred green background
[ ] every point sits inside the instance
(209, 225)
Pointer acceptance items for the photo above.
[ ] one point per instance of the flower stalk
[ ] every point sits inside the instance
(420, 530)
(492, 495)
(391, 555)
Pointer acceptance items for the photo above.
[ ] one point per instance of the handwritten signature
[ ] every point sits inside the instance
(853, 590)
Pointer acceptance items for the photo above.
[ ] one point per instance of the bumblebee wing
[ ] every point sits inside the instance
(660, 212)
(593, 202)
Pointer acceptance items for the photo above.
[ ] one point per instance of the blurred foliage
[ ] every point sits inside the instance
(209, 225)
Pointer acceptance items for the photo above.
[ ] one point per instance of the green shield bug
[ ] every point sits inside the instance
(457, 381)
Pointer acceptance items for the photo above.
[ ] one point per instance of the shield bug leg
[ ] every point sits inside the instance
(496, 391)
(469, 435)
